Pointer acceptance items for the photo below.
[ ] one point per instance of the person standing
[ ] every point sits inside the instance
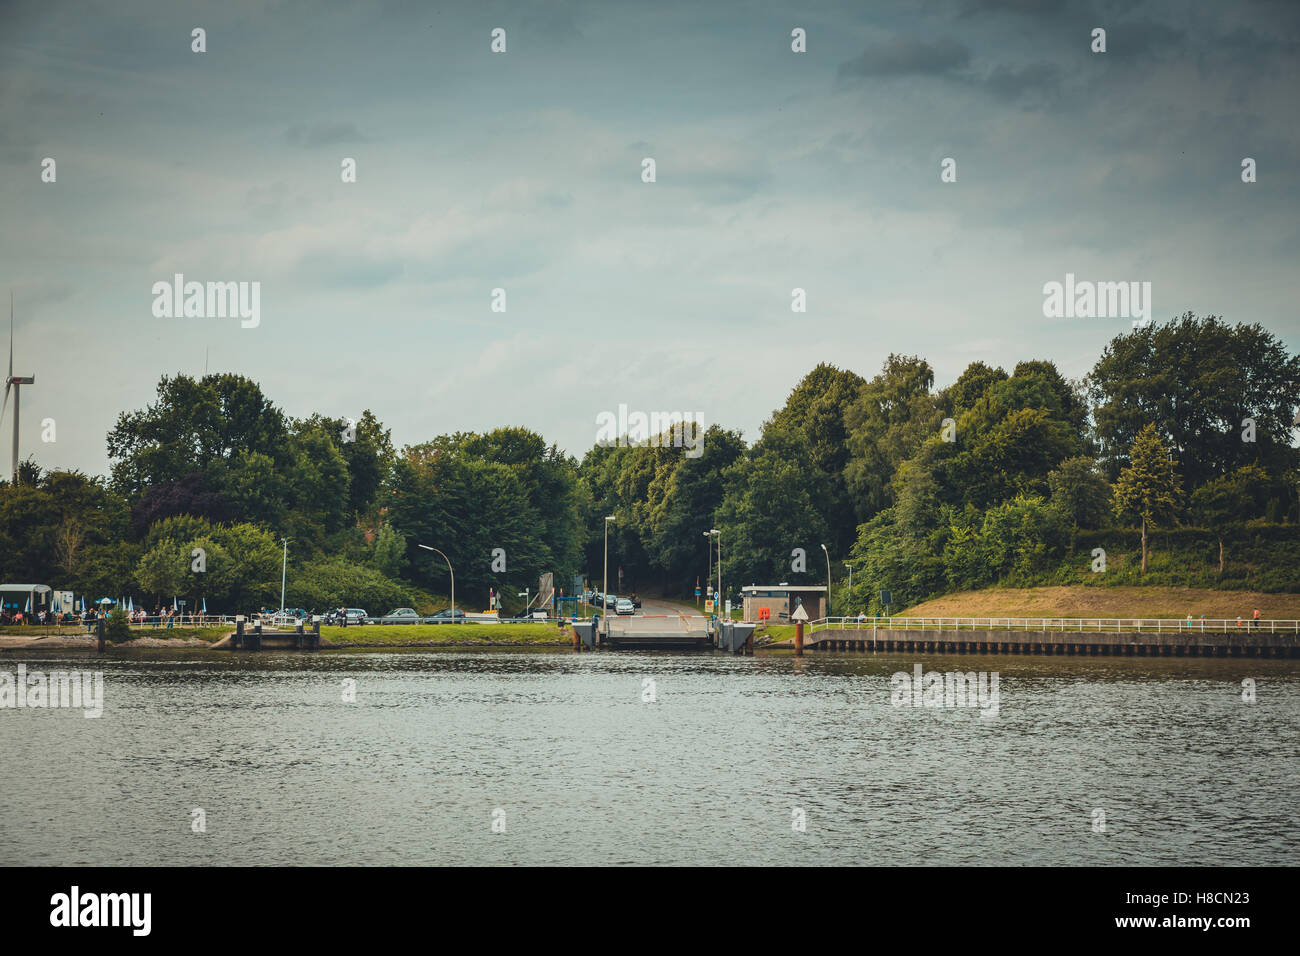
(1254, 621)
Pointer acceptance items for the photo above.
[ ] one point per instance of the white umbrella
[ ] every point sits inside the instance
(174, 602)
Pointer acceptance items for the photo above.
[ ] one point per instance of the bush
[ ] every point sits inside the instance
(118, 629)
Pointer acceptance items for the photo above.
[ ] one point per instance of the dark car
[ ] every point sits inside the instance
(611, 600)
(356, 616)
(446, 616)
(400, 615)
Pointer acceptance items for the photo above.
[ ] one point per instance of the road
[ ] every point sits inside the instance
(659, 616)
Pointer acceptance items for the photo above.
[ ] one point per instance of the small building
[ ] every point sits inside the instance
(780, 601)
(28, 598)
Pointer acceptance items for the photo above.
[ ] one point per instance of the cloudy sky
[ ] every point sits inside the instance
(522, 171)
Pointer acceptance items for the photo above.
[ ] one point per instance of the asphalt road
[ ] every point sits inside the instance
(657, 617)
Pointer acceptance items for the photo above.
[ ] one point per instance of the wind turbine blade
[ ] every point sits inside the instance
(11, 336)
(8, 385)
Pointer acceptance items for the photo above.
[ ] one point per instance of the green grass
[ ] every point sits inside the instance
(399, 634)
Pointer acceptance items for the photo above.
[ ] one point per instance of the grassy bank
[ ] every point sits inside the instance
(398, 635)
(1109, 602)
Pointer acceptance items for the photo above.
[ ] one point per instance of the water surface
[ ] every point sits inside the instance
(586, 772)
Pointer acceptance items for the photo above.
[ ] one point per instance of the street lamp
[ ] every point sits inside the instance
(453, 580)
(604, 580)
(284, 567)
(850, 567)
(828, 580)
(715, 533)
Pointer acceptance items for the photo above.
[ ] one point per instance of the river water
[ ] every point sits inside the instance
(546, 756)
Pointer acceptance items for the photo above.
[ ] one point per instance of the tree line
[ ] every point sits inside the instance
(1174, 457)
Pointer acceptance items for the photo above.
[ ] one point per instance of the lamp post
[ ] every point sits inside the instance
(453, 580)
(284, 567)
(850, 567)
(715, 533)
(604, 580)
(828, 580)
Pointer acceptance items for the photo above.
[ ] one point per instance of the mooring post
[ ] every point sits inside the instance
(100, 629)
(798, 638)
(315, 632)
(238, 640)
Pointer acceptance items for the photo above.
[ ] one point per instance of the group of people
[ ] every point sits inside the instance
(19, 617)
(161, 617)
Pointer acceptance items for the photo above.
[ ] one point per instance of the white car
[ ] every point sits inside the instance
(624, 606)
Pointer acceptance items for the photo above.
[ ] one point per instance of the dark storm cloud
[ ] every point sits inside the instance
(1037, 82)
(907, 55)
(1028, 7)
(313, 135)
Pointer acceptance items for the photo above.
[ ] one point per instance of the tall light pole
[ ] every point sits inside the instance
(284, 567)
(828, 580)
(850, 567)
(604, 581)
(708, 584)
(715, 533)
(453, 580)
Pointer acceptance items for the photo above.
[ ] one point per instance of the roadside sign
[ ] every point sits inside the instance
(708, 607)
(799, 614)
(697, 592)
(886, 598)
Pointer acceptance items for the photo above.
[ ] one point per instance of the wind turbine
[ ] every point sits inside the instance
(15, 382)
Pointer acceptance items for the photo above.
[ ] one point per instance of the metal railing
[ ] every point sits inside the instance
(1063, 624)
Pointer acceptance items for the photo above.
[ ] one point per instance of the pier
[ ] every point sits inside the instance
(256, 638)
(1135, 637)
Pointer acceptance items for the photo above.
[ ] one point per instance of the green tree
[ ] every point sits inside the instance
(389, 552)
(1226, 503)
(888, 421)
(1081, 494)
(1197, 380)
(193, 425)
(1148, 487)
(766, 513)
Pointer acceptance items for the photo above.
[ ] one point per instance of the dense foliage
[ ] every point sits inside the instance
(1175, 456)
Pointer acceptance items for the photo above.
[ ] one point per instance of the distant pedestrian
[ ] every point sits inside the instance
(1239, 620)
(1255, 620)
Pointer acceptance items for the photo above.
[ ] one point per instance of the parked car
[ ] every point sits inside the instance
(446, 616)
(624, 606)
(399, 615)
(611, 600)
(356, 616)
